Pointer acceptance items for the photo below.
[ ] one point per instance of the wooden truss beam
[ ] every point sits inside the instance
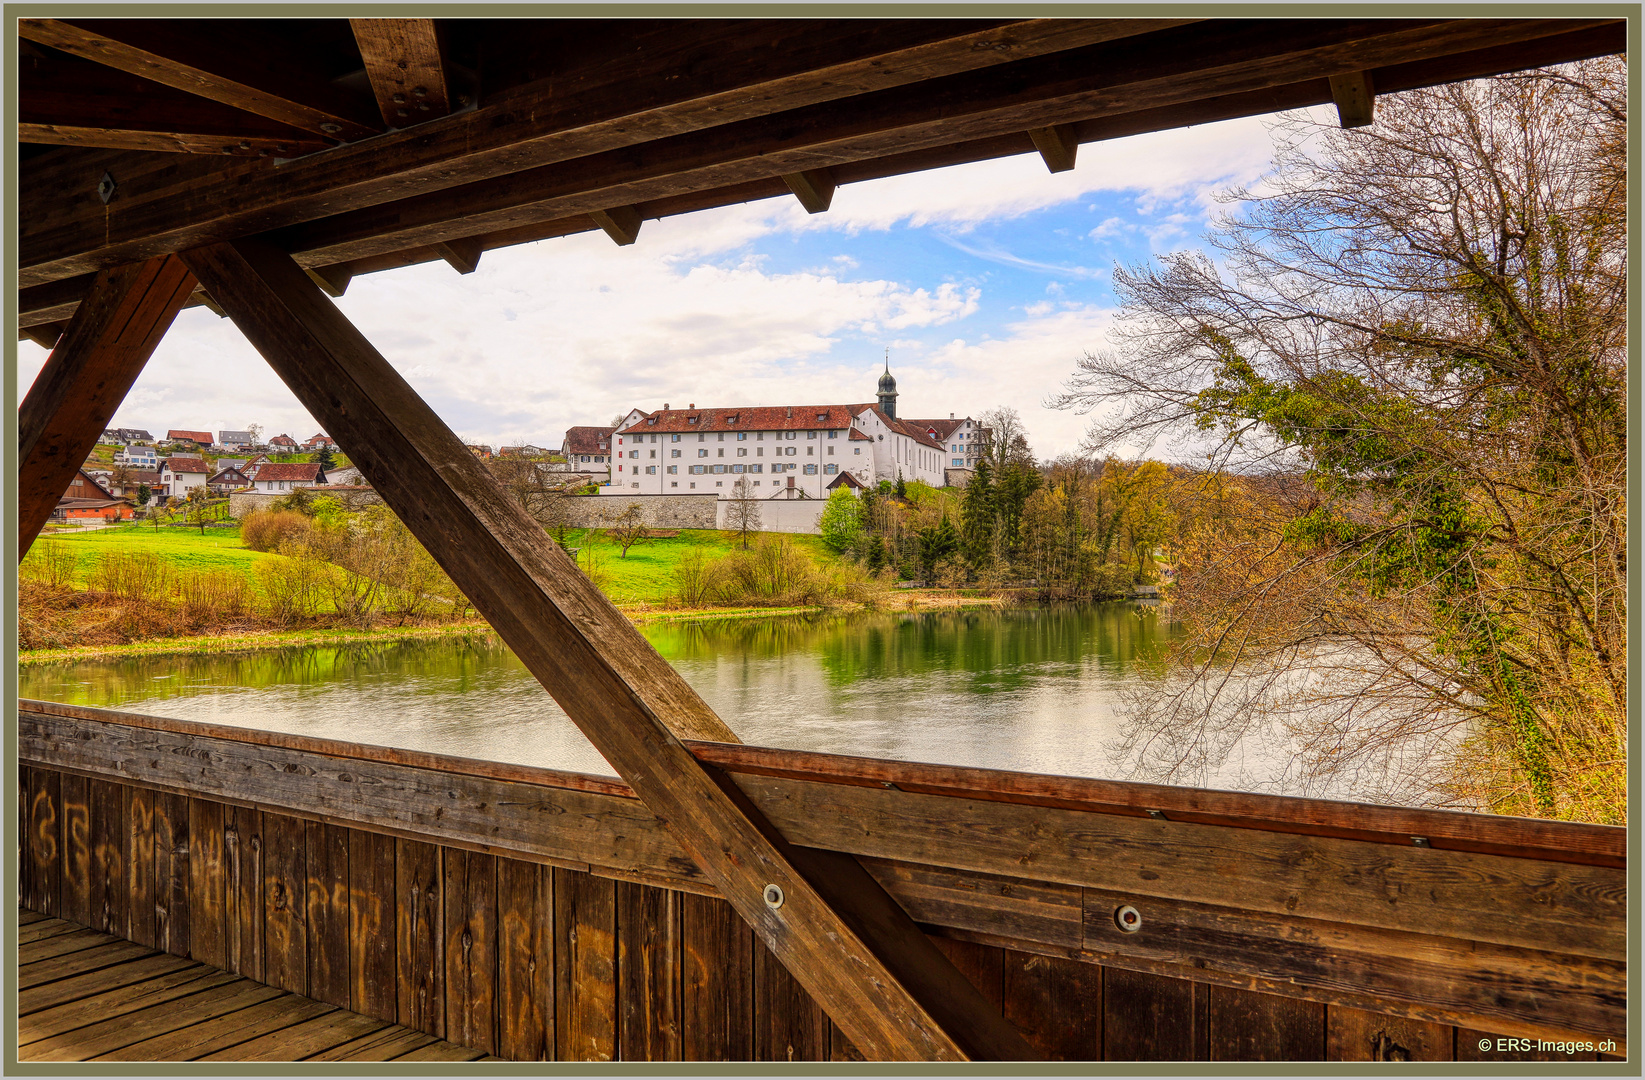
(1057, 146)
(86, 377)
(55, 300)
(168, 51)
(813, 187)
(621, 223)
(858, 954)
(678, 79)
(1355, 98)
(1084, 85)
(68, 101)
(405, 62)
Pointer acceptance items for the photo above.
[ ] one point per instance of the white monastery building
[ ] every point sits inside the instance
(785, 451)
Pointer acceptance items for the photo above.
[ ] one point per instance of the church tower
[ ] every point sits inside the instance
(888, 390)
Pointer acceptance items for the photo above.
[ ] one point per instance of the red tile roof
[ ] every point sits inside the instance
(588, 440)
(201, 437)
(187, 465)
(943, 428)
(905, 427)
(309, 471)
(759, 418)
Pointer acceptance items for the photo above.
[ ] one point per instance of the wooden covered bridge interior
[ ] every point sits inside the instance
(721, 901)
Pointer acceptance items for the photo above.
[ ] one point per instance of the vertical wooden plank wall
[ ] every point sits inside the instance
(532, 962)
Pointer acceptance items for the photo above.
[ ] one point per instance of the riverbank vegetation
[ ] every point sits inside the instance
(1407, 369)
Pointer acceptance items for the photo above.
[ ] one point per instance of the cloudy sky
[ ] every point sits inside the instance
(986, 282)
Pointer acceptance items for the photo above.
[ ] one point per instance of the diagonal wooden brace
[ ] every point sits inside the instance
(848, 943)
(113, 333)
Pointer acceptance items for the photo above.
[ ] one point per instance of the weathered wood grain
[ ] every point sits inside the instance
(285, 894)
(140, 865)
(585, 967)
(525, 957)
(302, 1039)
(1047, 912)
(470, 892)
(1434, 978)
(326, 917)
(572, 825)
(171, 873)
(648, 973)
(1150, 1017)
(1526, 903)
(243, 890)
(1248, 1026)
(858, 952)
(140, 985)
(120, 1032)
(221, 1032)
(1055, 1003)
(372, 928)
(86, 990)
(113, 332)
(109, 899)
(788, 1025)
(104, 955)
(1357, 1035)
(404, 62)
(45, 841)
(74, 940)
(716, 982)
(419, 964)
(75, 880)
(208, 899)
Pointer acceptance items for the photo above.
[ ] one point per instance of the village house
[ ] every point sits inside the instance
(125, 435)
(320, 441)
(198, 439)
(236, 440)
(783, 451)
(588, 450)
(87, 500)
(284, 444)
(181, 475)
(138, 457)
(134, 480)
(230, 479)
(274, 476)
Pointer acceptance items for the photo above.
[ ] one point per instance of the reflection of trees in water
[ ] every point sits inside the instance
(1005, 649)
(452, 665)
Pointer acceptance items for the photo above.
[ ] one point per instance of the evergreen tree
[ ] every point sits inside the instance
(977, 518)
(936, 543)
(324, 458)
(902, 486)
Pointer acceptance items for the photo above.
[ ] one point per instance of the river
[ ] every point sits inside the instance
(1032, 689)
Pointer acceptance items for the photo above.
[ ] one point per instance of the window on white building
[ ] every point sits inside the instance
(675, 483)
(810, 450)
(719, 483)
(959, 461)
(811, 470)
(742, 451)
(673, 453)
(673, 469)
(811, 434)
(856, 449)
(831, 468)
(756, 467)
(703, 452)
(673, 438)
(651, 470)
(719, 468)
(741, 436)
(697, 469)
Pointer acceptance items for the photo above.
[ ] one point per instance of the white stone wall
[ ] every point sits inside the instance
(781, 515)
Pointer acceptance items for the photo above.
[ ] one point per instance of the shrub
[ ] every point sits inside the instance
(211, 597)
(50, 564)
(134, 577)
(292, 584)
(266, 530)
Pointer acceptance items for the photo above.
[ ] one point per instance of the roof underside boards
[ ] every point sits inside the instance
(548, 136)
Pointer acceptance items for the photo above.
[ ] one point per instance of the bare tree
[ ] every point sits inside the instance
(1413, 348)
(256, 433)
(743, 511)
(628, 528)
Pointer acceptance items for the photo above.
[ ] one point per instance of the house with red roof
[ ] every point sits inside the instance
(282, 478)
(199, 439)
(180, 475)
(782, 451)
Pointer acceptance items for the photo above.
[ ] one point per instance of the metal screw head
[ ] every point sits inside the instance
(105, 188)
(1128, 919)
(398, 99)
(773, 897)
(329, 128)
(419, 91)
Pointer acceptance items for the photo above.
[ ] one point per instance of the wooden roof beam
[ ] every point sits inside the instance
(45, 335)
(1057, 146)
(1355, 98)
(89, 372)
(813, 187)
(858, 954)
(170, 52)
(621, 223)
(69, 101)
(462, 255)
(405, 62)
(333, 280)
(723, 71)
(1067, 89)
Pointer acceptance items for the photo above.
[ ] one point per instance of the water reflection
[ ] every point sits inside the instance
(1032, 689)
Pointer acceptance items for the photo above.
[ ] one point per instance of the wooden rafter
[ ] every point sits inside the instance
(1355, 98)
(1145, 81)
(813, 187)
(168, 51)
(111, 337)
(855, 950)
(405, 61)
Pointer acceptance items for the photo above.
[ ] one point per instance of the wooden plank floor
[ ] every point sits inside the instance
(88, 996)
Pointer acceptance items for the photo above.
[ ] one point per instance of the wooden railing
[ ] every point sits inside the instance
(538, 914)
